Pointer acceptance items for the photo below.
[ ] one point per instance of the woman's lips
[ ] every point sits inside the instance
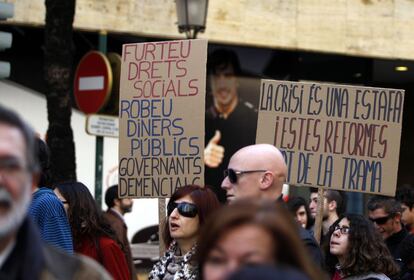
(174, 226)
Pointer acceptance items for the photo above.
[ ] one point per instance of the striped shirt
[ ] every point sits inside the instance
(48, 213)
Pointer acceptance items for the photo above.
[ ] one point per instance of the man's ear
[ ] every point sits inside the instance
(397, 217)
(266, 180)
(332, 205)
(117, 202)
(35, 180)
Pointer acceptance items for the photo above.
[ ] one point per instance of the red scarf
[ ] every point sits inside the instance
(336, 276)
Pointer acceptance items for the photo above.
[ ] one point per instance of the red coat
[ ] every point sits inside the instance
(112, 258)
(120, 228)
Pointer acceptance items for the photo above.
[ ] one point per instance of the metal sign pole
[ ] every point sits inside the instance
(99, 140)
(161, 218)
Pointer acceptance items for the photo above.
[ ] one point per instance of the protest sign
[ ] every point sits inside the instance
(334, 136)
(161, 114)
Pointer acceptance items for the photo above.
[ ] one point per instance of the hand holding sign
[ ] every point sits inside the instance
(214, 153)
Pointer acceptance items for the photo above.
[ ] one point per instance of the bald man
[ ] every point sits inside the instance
(257, 172)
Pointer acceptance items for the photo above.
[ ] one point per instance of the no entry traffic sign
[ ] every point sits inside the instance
(93, 82)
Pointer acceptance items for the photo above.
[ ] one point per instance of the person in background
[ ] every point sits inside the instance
(355, 250)
(300, 211)
(92, 235)
(405, 195)
(334, 205)
(230, 121)
(23, 254)
(46, 209)
(251, 232)
(313, 201)
(117, 207)
(258, 172)
(187, 210)
(385, 213)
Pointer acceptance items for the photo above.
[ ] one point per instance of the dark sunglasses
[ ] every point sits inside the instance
(381, 220)
(185, 209)
(232, 174)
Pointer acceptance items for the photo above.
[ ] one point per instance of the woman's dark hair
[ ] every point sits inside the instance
(85, 218)
(205, 200)
(275, 219)
(367, 251)
(294, 203)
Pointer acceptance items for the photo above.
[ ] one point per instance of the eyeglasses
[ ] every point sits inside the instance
(380, 220)
(11, 167)
(342, 230)
(185, 209)
(232, 174)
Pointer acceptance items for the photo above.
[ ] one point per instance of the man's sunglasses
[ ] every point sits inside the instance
(232, 174)
(185, 209)
(381, 220)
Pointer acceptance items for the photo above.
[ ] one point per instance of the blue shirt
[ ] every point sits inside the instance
(48, 213)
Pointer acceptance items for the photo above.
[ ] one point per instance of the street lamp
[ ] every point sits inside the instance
(192, 15)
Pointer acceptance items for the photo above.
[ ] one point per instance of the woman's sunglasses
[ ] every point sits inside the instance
(185, 209)
(232, 174)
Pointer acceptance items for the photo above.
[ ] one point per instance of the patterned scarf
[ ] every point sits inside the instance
(172, 267)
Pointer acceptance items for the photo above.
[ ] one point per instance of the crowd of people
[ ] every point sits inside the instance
(57, 231)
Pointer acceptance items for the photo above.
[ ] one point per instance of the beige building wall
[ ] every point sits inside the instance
(378, 28)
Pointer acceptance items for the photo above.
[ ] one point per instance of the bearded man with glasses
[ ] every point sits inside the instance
(23, 255)
(259, 172)
(385, 213)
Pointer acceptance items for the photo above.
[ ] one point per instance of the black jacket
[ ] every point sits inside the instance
(393, 243)
(32, 259)
(312, 246)
(308, 240)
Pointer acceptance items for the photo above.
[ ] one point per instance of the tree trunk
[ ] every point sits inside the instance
(58, 56)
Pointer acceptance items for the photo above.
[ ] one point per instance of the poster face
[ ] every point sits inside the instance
(161, 115)
(334, 136)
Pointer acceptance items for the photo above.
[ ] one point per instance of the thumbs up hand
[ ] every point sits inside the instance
(214, 153)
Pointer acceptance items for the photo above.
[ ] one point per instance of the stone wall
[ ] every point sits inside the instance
(378, 28)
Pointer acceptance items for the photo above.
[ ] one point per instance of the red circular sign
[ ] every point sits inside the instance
(93, 82)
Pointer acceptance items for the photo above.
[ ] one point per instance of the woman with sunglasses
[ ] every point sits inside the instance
(187, 210)
(355, 250)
